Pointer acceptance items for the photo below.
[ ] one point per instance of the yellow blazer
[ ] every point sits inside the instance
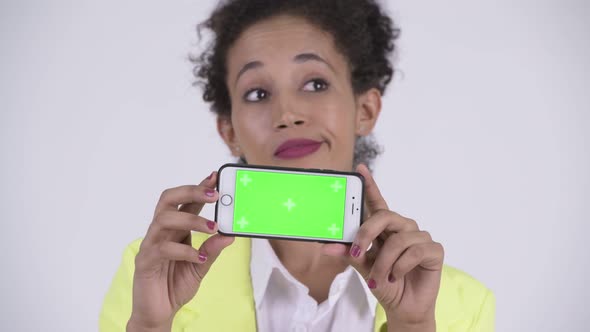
(225, 301)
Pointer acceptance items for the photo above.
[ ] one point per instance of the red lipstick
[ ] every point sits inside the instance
(297, 148)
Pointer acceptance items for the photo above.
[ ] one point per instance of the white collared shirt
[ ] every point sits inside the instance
(284, 304)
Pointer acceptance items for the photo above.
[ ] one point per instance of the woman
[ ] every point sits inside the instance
(277, 71)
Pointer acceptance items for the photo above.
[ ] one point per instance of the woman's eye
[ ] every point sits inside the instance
(255, 95)
(315, 85)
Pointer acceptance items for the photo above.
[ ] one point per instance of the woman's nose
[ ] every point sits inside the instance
(288, 122)
(286, 117)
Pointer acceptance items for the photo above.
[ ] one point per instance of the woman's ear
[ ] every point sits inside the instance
(228, 134)
(367, 111)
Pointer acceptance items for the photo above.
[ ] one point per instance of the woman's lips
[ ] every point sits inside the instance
(297, 148)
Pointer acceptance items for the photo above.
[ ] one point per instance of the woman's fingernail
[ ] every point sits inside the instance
(210, 176)
(202, 257)
(372, 283)
(355, 251)
(209, 192)
(391, 278)
(211, 225)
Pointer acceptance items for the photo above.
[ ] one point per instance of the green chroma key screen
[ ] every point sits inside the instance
(289, 204)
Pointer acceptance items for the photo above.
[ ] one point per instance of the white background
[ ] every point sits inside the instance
(486, 139)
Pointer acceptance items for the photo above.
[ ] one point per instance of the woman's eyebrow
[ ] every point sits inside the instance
(304, 57)
(248, 66)
(299, 58)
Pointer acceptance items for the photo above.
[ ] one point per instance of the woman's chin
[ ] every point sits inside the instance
(315, 162)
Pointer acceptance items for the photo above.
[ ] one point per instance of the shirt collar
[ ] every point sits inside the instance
(264, 261)
(371, 299)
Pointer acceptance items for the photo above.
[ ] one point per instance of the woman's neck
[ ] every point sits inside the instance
(306, 263)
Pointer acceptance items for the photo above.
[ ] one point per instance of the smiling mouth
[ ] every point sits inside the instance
(297, 148)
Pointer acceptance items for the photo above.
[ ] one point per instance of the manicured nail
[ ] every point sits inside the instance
(210, 176)
(372, 283)
(391, 278)
(209, 192)
(211, 225)
(355, 251)
(202, 257)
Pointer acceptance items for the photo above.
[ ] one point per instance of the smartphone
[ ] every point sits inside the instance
(289, 203)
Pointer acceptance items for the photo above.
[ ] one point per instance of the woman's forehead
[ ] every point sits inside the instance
(282, 37)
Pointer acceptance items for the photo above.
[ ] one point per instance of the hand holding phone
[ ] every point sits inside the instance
(289, 203)
(168, 270)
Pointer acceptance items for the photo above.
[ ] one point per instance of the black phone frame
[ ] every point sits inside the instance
(291, 169)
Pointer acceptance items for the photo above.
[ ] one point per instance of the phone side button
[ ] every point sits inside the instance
(226, 200)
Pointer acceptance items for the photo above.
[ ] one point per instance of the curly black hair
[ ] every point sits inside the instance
(362, 32)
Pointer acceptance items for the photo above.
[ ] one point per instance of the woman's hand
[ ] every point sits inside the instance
(402, 268)
(168, 270)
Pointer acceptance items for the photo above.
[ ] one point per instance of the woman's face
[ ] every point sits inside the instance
(292, 98)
